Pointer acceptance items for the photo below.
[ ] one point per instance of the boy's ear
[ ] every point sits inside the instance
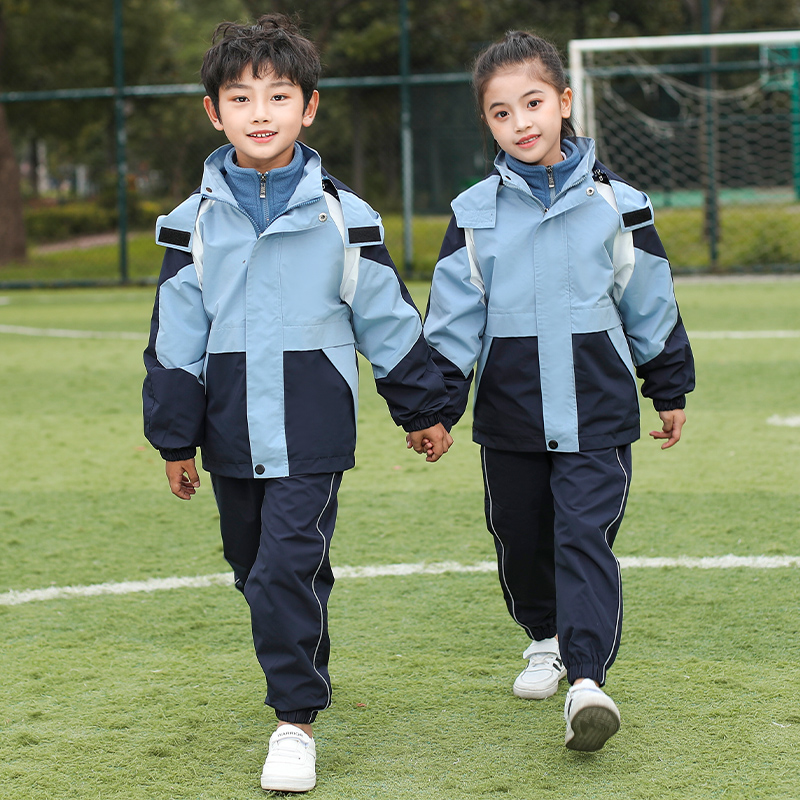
(310, 110)
(213, 115)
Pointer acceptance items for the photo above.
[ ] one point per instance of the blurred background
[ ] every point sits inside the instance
(101, 120)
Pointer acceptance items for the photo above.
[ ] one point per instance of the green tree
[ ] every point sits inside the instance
(51, 45)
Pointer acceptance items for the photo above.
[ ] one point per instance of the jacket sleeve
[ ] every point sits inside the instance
(456, 317)
(646, 301)
(173, 394)
(388, 332)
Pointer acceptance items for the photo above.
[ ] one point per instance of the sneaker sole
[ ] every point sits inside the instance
(591, 727)
(284, 784)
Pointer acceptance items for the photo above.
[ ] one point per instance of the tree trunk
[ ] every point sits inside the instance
(12, 226)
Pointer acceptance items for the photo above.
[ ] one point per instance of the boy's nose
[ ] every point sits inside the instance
(261, 112)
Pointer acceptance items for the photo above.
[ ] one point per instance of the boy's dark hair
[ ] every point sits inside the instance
(273, 43)
(516, 48)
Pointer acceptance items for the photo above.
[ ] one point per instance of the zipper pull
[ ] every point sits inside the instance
(551, 181)
(263, 192)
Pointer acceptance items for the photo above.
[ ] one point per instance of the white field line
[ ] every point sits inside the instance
(744, 335)
(65, 333)
(785, 422)
(15, 598)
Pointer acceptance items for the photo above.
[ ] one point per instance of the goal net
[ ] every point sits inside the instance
(709, 127)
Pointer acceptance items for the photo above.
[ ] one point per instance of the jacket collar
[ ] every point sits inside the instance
(309, 188)
(477, 206)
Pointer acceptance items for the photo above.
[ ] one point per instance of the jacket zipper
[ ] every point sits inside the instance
(263, 192)
(551, 184)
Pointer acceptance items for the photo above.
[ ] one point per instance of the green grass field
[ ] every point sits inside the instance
(157, 696)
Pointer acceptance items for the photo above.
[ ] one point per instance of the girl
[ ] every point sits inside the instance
(553, 281)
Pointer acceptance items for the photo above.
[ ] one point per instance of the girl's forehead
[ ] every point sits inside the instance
(517, 79)
(532, 71)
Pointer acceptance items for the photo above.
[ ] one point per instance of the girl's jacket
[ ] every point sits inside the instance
(557, 307)
(252, 353)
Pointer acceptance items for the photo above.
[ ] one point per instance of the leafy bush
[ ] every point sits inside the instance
(53, 223)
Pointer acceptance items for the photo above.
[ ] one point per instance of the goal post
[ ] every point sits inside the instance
(708, 122)
(578, 48)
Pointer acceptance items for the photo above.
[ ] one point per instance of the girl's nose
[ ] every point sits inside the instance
(521, 122)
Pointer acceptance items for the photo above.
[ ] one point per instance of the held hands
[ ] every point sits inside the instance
(671, 429)
(434, 442)
(183, 478)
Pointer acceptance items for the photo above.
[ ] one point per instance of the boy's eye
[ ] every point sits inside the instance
(279, 97)
(239, 99)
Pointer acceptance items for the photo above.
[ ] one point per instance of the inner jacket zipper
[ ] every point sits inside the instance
(551, 184)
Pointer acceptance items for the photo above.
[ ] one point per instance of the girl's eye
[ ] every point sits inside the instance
(534, 103)
(501, 114)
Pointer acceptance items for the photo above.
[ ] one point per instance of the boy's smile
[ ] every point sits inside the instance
(262, 118)
(524, 114)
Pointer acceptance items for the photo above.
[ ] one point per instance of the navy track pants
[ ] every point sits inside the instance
(276, 534)
(554, 517)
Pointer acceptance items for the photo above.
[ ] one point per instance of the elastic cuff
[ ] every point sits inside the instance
(420, 423)
(181, 454)
(544, 632)
(670, 405)
(304, 716)
(592, 671)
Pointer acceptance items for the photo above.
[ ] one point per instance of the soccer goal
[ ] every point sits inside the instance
(709, 126)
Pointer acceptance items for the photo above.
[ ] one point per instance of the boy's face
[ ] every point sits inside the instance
(262, 118)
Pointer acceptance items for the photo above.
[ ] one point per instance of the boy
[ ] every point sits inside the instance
(274, 275)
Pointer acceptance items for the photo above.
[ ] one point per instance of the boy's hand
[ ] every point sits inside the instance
(434, 441)
(673, 423)
(183, 478)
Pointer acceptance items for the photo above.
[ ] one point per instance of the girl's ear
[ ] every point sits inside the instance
(566, 103)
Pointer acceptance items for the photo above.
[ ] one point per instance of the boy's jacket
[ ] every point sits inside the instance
(252, 353)
(555, 308)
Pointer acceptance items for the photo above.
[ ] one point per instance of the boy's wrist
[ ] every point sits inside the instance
(178, 454)
(421, 423)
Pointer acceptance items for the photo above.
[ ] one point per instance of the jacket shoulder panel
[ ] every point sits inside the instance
(176, 229)
(476, 207)
(634, 206)
(362, 224)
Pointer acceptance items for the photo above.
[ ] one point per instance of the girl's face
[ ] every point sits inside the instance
(524, 114)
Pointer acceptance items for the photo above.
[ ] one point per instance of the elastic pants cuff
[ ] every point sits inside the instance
(591, 671)
(544, 632)
(303, 716)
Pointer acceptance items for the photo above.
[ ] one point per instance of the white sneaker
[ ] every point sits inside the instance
(545, 669)
(592, 717)
(291, 763)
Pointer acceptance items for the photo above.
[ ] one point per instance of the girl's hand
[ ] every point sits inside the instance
(671, 429)
(433, 442)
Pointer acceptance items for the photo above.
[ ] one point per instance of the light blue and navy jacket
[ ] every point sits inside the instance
(555, 308)
(252, 353)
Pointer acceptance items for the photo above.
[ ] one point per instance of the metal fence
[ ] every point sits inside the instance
(715, 144)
